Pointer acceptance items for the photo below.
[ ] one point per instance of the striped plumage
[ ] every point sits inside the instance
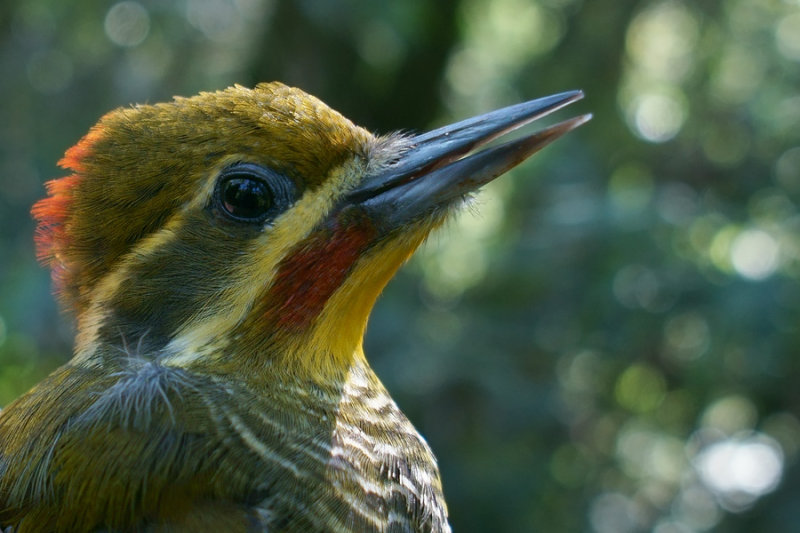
(222, 254)
(299, 457)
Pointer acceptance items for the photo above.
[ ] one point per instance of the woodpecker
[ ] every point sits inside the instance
(221, 255)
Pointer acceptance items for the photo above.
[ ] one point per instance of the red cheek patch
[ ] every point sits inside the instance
(308, 277)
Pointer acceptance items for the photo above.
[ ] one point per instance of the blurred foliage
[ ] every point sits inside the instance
(608, 342)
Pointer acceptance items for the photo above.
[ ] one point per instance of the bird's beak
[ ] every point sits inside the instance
(437, 167)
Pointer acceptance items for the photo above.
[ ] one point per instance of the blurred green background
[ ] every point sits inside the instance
(608, 342)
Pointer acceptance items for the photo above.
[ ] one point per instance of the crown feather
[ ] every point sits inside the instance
(53, 213)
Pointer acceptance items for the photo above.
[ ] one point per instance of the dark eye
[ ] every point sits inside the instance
(250, 193)
(246, 198)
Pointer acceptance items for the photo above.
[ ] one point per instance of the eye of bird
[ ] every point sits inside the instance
(250, 193)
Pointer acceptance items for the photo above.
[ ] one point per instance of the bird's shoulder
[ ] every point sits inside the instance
(183, 448)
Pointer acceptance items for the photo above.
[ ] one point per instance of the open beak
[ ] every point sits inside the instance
(438, 166)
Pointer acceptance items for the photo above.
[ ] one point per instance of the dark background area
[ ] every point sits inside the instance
(607, 341)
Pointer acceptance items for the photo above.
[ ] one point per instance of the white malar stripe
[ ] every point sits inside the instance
(179, 352)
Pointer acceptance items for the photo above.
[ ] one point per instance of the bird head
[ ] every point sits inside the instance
(252, 228)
